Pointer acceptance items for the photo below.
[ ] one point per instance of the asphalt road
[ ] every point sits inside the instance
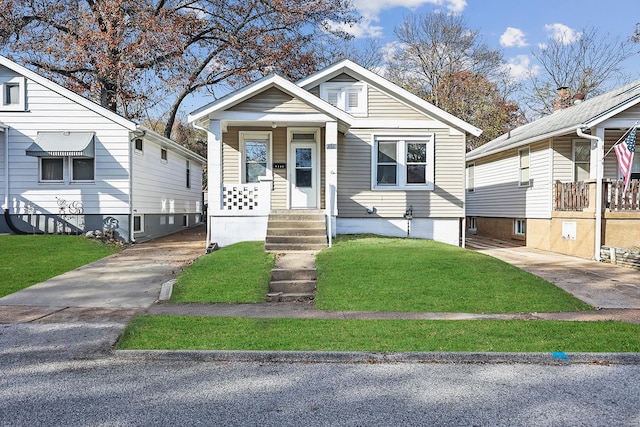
(111, 391)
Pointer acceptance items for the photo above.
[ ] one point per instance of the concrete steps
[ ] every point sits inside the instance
(296, 230)
(293, 278)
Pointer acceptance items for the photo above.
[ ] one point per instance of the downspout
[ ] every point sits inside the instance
(599, 169)
(208, 234)
(5, 206)
(131, 148)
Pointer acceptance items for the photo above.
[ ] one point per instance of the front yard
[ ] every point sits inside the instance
(367, 273)
(30, 259)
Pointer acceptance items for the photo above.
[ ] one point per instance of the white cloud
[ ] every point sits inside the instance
(520, 67)
(371, 9)
(513, 37)
(562, 33)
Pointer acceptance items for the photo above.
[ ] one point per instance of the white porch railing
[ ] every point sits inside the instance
(247, 199)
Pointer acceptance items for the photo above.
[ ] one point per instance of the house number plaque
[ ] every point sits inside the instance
(279, 165)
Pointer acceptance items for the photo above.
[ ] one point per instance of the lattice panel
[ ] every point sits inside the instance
(241, 198)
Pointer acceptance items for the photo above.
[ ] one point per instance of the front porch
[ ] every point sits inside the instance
(575, 215)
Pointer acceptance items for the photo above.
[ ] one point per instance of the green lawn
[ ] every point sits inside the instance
(369, 273)
(236, 273)
(30, 259)
(200, 333)
(380, 274)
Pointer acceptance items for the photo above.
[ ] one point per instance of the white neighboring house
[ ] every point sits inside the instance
(68, 165)
(345, 143)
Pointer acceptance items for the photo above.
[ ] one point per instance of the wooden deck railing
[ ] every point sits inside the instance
(619, 202)
(574, 196)
(570, 196)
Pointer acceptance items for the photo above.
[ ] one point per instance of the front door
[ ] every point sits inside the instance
(303, 174)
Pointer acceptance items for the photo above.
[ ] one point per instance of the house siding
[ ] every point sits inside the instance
(159, 187)
(497, 191)
(49, 111)
(355, 194)
(273, 101)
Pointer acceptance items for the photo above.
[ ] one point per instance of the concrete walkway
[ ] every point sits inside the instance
(112, 289)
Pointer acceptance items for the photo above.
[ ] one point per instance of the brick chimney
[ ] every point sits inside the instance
(563, 100)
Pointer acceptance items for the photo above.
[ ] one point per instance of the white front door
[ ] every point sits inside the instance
(303, 175)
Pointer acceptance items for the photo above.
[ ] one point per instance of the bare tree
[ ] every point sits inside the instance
(129, 54)
(440, 59)
(587, 65)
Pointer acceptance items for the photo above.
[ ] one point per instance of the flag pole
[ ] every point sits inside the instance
(621, 138)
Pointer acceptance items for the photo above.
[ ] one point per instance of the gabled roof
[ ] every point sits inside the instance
(261, 85)
(587, 114)
(19, 69)
(98, 109)
(361, 73)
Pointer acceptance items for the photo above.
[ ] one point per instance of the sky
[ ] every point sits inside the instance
(516, 27)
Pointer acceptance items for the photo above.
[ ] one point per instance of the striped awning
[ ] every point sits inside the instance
(63, 144)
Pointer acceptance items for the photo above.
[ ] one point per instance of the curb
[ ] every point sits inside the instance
(555, 358)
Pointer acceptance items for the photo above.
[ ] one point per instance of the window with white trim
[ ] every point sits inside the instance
(163, 154)
(523, 159)
(255, 155)
(82, 169)
(188, 174)
(473, 224)
(471, 177)
(349, 97)
(581, 160)
(51, 169)
(12, 97)
(403, 162)
(519, 227)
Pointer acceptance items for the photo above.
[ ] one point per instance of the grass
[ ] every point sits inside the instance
(369, 273)
(237, 273)
(30, 259)
(200, 333)
(380, 274)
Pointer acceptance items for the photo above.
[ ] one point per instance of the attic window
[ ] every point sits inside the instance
(349, 97)
(13, 94)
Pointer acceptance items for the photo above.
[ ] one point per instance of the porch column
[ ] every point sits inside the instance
(214, 161)
(331, 172)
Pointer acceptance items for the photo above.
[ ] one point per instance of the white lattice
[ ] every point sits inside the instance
(243, 198)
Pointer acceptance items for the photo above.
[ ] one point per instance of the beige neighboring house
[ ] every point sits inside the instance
(554, 184)
(344, 143)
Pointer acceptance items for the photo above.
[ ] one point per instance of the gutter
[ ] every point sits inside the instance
(599, 174)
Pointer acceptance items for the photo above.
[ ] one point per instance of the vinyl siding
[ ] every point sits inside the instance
(354, 179)
(161, 186)
(49, 111)
(273, 101)
(381, 106)
(497, 191)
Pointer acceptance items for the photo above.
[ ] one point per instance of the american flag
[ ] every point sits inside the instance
(624, 153)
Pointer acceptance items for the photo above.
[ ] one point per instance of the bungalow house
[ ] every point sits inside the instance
(68, 165)
(359, 152)
(554, 184)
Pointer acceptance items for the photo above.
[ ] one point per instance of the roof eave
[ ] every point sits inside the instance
(156, 137)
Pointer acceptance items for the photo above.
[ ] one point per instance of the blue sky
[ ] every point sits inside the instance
(514, 26)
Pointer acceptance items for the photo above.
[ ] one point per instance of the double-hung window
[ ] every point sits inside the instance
(256, 155)
(581, 160)
(471, 177)
(347, 96)
(64, 156)
(403, 162)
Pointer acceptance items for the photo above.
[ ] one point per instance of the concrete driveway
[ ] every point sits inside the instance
(599, 284)
(113, 288)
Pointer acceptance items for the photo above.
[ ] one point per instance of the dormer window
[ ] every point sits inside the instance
(349, 97)
(13, 94)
